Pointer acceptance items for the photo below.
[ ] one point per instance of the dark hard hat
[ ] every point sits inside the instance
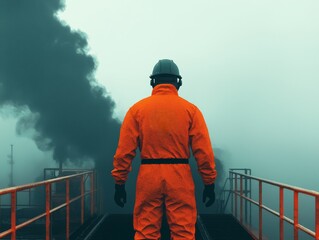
(165, 67)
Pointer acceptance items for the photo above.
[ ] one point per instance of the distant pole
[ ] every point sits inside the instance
(60, 167)
(11, 163)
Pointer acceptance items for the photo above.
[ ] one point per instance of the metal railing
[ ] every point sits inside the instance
(237, 189)
(48, 184)
(226, 192)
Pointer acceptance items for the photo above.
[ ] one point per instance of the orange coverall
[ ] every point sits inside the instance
(164, 126)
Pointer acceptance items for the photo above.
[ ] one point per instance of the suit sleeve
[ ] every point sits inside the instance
(202, 148)
(126, 150)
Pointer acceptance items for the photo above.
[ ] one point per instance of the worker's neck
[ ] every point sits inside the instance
(164, 89)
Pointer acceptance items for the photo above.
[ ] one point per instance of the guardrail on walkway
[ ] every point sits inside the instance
(237, 189)
(48, 200)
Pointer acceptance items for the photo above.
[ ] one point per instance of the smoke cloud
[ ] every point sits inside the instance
(47, 75)
(45, 68)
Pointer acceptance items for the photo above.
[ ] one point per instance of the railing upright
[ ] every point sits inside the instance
(241, 199)
(13, 214)
(82, 199)
(242, 194)
(67, 196)
(92, 194)
(260, 209)
(47, 211)
(296, 205)
(48, 198)
(231, 191)
(236, 191)
(245, 193)
(317, 217)
(281, 212)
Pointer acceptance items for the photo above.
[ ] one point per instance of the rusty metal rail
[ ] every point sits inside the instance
(239, 197)
(48, 210)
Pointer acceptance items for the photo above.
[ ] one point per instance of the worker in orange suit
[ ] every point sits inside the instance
(164, 127)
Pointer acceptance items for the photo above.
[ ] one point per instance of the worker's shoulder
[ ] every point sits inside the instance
(191, 108)
(139, 104)
(187, 103)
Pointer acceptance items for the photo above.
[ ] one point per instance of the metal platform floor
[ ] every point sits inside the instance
(224, 227)
(120, 227)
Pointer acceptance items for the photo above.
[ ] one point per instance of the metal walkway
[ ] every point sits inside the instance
(67, 208)
(216, 227)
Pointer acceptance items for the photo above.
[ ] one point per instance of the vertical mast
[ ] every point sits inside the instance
(11, 163)
(60, 167)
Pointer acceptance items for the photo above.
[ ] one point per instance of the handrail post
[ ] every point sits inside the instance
(235, 195)
(231, 191)
(246, 194)
(82, 199)
(250, 217)
(13, 214)
(67, 182)
(260, 210)
(241, 198)
(296, 215)
(281, 212)
(91, 193)
(47, 211)
(317, 217)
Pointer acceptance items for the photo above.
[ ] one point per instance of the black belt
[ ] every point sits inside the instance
(165, 161)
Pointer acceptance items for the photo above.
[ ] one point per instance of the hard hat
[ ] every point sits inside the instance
(165, 67)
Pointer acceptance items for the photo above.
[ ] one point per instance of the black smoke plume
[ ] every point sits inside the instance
(45, 67)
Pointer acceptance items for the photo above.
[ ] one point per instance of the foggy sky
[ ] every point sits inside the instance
(250, 66)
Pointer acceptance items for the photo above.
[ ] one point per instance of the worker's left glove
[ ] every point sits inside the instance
(209, 192)
(120, 195)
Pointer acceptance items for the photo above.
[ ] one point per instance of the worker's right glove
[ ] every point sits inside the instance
(120, 195)
(209, 192)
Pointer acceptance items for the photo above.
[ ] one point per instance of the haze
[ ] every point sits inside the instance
(250, 66)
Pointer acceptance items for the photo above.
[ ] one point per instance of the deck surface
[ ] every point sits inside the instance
(219, 227)
(224, 227)
(120, 227)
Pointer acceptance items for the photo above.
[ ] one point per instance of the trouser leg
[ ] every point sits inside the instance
(181, 207)
(148, 208)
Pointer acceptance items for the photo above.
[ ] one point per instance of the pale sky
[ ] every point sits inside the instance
(250, 66)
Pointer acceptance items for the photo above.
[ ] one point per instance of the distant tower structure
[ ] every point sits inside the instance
(11, 163)
(60, 167)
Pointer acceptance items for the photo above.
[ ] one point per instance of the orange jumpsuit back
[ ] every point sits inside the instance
(164, 126)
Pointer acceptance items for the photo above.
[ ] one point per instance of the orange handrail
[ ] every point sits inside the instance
(235, 176)
(48, 210)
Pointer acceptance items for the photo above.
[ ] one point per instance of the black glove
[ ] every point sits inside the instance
(120, 195)
(209, 192)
